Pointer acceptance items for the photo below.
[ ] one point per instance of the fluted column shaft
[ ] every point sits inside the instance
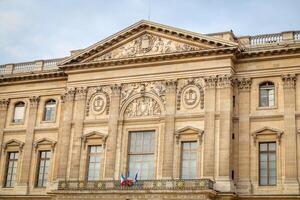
(112, 132)
(167, 170)
(65, 133)
(28, 147)
(79, 108)
(209, 127)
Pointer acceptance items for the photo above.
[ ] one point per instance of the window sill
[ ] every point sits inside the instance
(17, 123)
(267, 108)
(47, 122)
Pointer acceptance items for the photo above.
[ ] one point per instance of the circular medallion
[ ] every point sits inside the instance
(98, 104)
(190, 97)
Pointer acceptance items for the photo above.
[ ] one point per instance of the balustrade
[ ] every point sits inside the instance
(265, 39)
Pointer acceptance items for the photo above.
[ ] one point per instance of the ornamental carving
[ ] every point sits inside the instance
(143, 106)
(190, 93)
(147, 44)
(98, 101)
(289, 80)
(225, 81)
(210, 81)
(3, 104)
(156, 87)
(244, 83)
(69, 95)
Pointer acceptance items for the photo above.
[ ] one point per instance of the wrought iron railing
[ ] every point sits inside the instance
(194, 184)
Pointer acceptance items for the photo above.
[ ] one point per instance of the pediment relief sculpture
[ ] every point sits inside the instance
(147, 44)
(141, 107)
(157, 87)
(97, 101)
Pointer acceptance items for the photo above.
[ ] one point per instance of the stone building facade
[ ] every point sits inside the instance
(193, 116)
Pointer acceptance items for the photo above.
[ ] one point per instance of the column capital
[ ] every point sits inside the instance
(225, 81)
(3, 104)
(116, 89)
(289, 80)
(81, 93)
(210, 81)
(171, 84)
(244, 84)
(68, 95)
(34, 101)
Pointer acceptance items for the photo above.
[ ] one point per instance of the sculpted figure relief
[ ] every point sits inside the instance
(147, 44)
(158, 88)
(142, 106)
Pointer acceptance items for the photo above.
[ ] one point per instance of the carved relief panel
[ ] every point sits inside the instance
(97, 102)
(190, 95)
(147, 44)
(142, 106)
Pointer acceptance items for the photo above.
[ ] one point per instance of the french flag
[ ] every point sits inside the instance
(123, 180)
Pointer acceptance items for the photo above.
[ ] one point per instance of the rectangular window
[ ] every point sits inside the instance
(188, 160)
(43, 168)
(141, 154)
(11, 169)
(94, 162)
(267, 163)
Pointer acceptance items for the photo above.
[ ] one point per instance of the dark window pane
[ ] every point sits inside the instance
(267, 165)
(11, 170)
(188, 160)
(44, 160)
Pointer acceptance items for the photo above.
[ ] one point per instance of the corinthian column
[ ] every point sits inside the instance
(112, 132)
(80, 100)
(3, 115)
(28, 147)
(223, 180)
(291, 184)
(244, 86)
(167, 170)
(64, 135)
(209, 127)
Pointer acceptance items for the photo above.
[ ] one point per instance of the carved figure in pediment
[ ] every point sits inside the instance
(147, 44)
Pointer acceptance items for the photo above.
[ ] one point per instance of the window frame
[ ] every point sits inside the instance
(7, 160)
(139, 131)
(181, 157)
(14, 111)
(88, 161)
(266, 85)
(45, 111)
(39, 159)
(268, 162)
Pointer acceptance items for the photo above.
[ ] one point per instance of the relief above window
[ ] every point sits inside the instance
(266, 94)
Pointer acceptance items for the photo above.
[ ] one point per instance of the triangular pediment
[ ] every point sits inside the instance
(146, 39)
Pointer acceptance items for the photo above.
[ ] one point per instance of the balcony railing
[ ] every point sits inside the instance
(297, 35)
(195, 184)
(29, 67)
(266, 39)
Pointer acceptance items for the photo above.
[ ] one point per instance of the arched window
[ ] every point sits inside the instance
(19, 112)
(49, 111)
(266, 94)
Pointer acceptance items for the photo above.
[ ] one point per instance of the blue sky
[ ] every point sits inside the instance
(43, 29)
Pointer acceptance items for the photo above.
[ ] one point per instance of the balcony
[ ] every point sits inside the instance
(171, 184)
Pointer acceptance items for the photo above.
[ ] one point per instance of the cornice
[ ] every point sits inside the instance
(32, 76)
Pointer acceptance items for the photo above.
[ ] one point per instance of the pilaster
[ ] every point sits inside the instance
(23, 183)
(167, 169)
(112, 132)
(291, 185)
(244, 88)
(79, 108)
(224, 182)
(65, 133)
(3, 115)
(209, 127)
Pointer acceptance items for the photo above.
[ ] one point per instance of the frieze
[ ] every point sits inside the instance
(147, 44)
(143, 106)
